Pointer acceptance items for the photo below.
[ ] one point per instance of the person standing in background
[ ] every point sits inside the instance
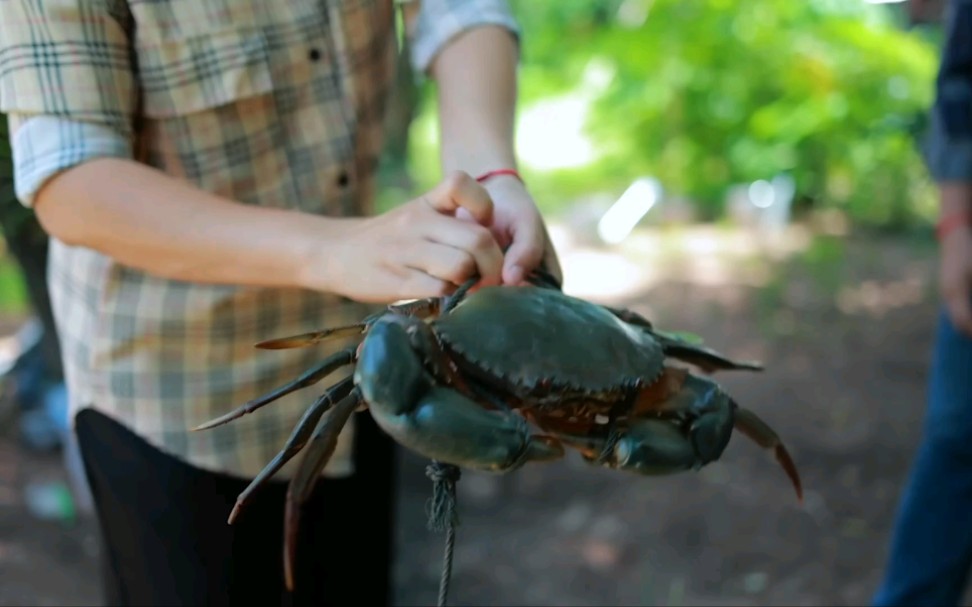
(931, 544)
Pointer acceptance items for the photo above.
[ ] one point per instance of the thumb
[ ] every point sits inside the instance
(524, 253)
(460, 191)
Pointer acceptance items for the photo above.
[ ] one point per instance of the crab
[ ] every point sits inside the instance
(493, 378)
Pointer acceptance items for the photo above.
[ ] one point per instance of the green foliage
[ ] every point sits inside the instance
(6, 165)
(14, 298)
(14, 218)
(13, 215)
(708, 93)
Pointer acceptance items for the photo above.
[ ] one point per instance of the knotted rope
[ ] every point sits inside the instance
(444, 516)
(441, 508)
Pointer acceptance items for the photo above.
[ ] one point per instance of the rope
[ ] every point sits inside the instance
(453, 300)
(607, 452)
(442, 512)
(446, 566)
(443, 516)
(613, 436)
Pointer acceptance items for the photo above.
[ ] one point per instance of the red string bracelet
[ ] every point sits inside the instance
(497, 173)
(950, 222)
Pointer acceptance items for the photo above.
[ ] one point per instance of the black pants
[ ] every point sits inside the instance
(167, 542)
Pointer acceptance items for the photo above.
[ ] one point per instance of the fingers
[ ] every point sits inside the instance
(441, 262)
(530, 248)
(416, 284)
(525, 252)
(466, 248)
(522, 233)
(387, 284)
(460, 191)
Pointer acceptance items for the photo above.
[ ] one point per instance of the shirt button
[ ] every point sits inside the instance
(314, 54)
(343, 179)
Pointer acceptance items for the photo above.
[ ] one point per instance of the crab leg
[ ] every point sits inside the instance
(315, 337)
(542, 277)
(704, 358)
(759, 432)
(296, 442)
(316, 457)
(419, 308)
(631, 317)
(308, 378)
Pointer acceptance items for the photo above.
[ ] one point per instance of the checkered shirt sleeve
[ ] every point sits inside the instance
(439, 21)
(67, 58)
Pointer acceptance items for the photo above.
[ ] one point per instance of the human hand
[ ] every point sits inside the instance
(420, 249)
(955, 277)
(520, 230)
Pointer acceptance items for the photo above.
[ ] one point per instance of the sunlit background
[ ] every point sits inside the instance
(744, 170)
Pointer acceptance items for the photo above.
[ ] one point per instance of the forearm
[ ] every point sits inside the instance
(163, 226)
(476, 81)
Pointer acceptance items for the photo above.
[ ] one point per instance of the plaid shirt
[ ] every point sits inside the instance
(267, 103)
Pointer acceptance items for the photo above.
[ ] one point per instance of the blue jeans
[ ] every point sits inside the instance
(931, 545)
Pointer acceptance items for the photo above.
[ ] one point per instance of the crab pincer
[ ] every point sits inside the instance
(435, 420)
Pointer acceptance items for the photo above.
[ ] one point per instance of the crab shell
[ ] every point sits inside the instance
(545, 347)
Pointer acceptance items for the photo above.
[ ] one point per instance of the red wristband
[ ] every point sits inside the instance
(950, 222)
(497, 173)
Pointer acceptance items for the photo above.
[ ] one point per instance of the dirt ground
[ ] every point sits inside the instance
(844, 386)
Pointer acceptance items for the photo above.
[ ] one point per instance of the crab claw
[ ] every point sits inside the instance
(446, 426)
(659, 446)
(437, 421)
(662, 445)
(651, 447)
(656, 441)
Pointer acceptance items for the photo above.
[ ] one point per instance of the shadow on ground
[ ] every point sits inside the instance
(844, 386)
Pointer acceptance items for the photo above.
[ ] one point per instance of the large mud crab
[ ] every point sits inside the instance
(497, 377)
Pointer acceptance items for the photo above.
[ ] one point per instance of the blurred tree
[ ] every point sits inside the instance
(708, 93)
(403, 104)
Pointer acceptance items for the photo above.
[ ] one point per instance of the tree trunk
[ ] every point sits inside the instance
(398, 121)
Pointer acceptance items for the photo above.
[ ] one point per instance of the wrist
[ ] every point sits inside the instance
(314, 247)
(951, 222)
(502, 183)
(501, 175)
(954, 197)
